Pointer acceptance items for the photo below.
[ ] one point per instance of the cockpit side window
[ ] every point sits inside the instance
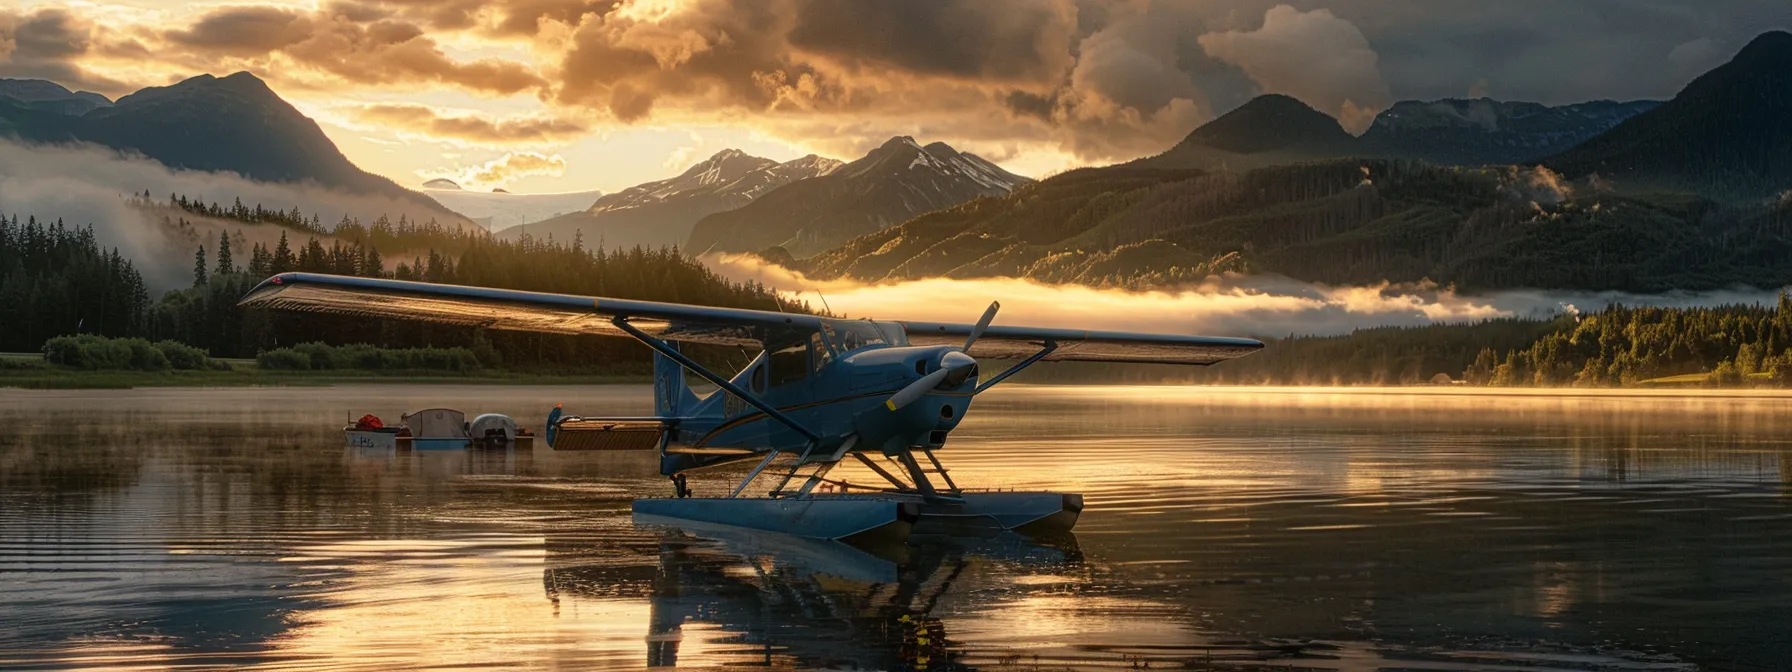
(820, 348)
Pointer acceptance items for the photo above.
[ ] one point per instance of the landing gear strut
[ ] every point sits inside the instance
(679, 489)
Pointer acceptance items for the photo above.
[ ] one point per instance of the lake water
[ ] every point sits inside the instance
(1226, 529)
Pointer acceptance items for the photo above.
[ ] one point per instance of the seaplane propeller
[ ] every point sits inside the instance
(954, 367)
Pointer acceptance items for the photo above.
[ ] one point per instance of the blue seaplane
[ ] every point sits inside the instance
(821, 391)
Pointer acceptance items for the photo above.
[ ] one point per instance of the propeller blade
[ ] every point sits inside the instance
(921, 386)
(983, 323)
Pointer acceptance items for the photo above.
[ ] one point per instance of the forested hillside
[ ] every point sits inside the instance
(1617, 347)
(57, 280)
(1727, 134)
(1343, 221)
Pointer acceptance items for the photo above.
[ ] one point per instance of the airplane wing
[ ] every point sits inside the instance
(568, 314)
(514, 310)
(1076, 345)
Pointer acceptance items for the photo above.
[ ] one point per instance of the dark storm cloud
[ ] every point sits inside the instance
(715, 53)
(1557, 52)
(1021, 40)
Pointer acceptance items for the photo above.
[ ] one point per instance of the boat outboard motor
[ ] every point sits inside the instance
(492, 430)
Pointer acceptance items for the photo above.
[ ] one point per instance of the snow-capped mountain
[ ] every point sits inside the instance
(890, 185)
(661, 213)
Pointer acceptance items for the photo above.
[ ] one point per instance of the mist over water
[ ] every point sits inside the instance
(86, 184)
(1247, 305)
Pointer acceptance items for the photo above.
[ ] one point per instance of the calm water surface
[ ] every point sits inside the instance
(1226, 529)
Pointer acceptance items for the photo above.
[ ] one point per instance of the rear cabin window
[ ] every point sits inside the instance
(788, 364)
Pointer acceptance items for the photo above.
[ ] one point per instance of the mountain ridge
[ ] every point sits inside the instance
(661, 213)
(1728, 132)
(1362, 221)
(51, 97)
(1274, 129)
(1484, 131)
(890, 184)
(233, 124)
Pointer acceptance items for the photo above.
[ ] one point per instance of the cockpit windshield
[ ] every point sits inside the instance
(848, 335)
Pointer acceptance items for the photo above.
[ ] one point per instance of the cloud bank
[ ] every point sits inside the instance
(503, 170)
(1255, 306)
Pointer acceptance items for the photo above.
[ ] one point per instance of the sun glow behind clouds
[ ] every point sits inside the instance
(1233, 305)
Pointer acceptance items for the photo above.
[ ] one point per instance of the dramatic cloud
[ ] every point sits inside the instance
(426, 121)
(361, 49)
(504, 170)
(47, 44)
(1314, 56)
(1052, 81)
(1025, 42)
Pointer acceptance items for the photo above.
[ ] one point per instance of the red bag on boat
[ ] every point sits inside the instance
(369, 421)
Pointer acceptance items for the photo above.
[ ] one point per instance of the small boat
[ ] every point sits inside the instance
(437, 429)
(369, 433)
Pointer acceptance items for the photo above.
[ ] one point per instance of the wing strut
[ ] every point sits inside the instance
(660, 346)
(1050, 346)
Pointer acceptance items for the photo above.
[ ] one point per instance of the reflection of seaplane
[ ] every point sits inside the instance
(820, 392)
(793, 602)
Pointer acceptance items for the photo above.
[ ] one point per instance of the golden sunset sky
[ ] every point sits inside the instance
(568, 95)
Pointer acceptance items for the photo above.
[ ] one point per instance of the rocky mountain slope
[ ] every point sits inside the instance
(895, 182)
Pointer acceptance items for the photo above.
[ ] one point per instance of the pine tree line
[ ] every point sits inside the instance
(56, 280)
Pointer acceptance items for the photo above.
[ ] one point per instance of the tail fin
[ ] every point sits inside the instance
(671, 396)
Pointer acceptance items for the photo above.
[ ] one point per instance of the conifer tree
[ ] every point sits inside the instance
(225, 265)
(199, 266)
(283, 260)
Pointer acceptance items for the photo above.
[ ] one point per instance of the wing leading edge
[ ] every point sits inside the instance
(568, 314)
(1075, 345)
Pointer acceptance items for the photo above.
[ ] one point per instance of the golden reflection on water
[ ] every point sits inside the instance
(1327, 528)
(463, 602)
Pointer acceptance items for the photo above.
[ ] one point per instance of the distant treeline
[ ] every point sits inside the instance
(1616, 347)
(363, 357)
(56, 280)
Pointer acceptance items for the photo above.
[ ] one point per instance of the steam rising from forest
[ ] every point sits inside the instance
(1232, 305)
(84, 184)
